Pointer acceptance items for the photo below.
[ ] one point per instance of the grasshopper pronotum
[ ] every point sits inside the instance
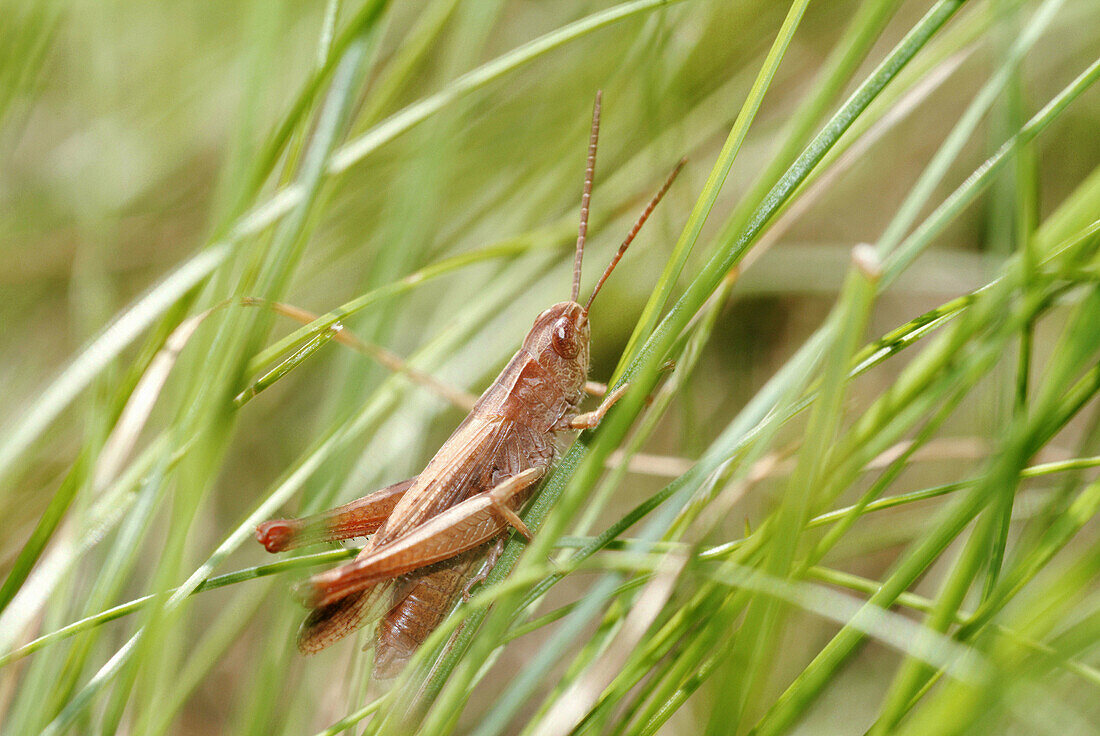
(428, 531)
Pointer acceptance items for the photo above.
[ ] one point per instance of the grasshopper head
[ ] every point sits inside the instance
(559, 341)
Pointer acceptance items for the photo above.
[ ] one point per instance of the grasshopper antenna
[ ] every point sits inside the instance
(589, 175)
(633, 232)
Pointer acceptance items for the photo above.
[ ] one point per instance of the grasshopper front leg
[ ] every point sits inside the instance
(460, 528)
(359, 518)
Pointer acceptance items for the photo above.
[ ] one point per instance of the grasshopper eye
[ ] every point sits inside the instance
(563, 338)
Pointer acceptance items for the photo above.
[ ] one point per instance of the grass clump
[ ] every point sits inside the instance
(871, 488)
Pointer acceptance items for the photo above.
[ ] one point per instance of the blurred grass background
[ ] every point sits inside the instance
(161, 158)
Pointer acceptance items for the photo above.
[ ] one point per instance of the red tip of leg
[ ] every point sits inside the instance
(276, 535)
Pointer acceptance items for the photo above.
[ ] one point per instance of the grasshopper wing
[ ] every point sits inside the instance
(485, 450)
(463, 466)
(327, 624)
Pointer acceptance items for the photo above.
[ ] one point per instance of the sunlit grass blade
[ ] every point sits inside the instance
(288, 364)
(717, 177)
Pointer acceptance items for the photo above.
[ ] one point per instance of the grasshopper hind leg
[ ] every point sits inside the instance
(359, 518)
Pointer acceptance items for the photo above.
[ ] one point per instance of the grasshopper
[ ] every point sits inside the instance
(428, 532)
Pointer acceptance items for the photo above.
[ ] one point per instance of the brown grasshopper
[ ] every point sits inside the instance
(429, 531)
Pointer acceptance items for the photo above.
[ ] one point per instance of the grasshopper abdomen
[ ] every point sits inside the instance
(420, 603)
